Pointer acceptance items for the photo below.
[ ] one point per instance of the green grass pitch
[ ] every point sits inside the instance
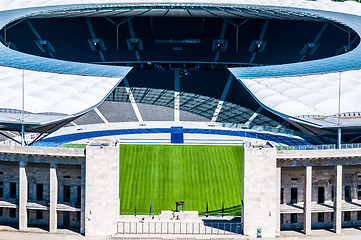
(195, 174)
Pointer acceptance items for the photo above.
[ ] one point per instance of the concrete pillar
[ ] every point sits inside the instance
(101, 198)
(260, 196)
(337, 199)
(23, 197)
(354, 188)
(307, 201)
(278, 214)
(82, 203)
(53, 218)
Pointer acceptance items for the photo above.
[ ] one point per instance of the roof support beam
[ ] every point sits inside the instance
(74, 124)
(254, 115)
(318, 36)
(92, 34)
(132, 101)
(223, 97)
(10, 26)
(117, 26)
(320, 33)
(261, 36)
(350, 43)
(132, 35)
(237, 29)
(101, 115)
(221, 36)
(37, 35)
(11, 138)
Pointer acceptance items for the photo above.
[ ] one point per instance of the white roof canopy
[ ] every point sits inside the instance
(61, 95)
(311, 97)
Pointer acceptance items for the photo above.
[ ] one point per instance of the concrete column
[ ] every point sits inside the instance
(307, 200)
(354, 188)
(260, 197)
(82, 204)
(53, 218)
(337, 221)
(23, 197)
(278, 214)
(101, 198)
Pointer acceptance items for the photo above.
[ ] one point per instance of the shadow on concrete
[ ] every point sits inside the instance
(15, 226)
(233, 211)
(225, 226)
(325, 205)
(356, 204)
(328, 229)
(294, 205)
(42, 227)
(70, 229)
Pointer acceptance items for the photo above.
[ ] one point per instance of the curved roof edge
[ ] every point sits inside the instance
(348, 60)
(15, 59)
(39, 99)
(329, 100)
(343, 62)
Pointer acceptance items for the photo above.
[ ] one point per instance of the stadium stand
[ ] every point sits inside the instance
(89, 118)
(193, 107)
(62, 139)
(123, 113)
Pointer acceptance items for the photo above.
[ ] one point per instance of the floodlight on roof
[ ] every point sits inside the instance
(309, 49)
(44, 46)
(97, 44)
(134, 44)
(220, 45)
(257, 46)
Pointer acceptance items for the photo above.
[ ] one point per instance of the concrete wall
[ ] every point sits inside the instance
(293, 177)
(73, 219)
(102, 190)
(327, 223)
(260, 192)
(32, 218)
(9, 172)
(38, 174)
(70, 176)
(322, 176)
(5, 218)
(315, 156)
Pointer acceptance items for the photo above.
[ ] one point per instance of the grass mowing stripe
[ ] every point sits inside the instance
(195, 174)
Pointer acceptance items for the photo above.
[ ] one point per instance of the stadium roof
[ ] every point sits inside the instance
(13, 10)
(312, 99)
(48, 97)
(350, 7)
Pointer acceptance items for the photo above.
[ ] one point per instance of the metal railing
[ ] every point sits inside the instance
(191, 228)
(319, 147)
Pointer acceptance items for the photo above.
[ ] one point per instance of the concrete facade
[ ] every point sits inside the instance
(281, 189)
(29, 180)
(61, 188)
(307, 200)
(101, 189)
(335, 189)
(260, 192)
